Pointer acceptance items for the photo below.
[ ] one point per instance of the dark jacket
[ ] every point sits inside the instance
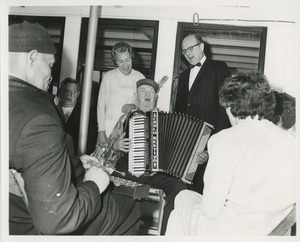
(38, 150)
(73, 123)
(202, 101)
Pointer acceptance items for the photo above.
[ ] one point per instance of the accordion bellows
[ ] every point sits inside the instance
(166, 142)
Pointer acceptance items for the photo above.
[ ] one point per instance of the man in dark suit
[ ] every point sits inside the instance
(197, 92)
(46, 194)
(69, 94)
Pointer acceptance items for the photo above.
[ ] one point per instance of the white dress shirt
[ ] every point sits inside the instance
(67, 112)
(194, 72)
(250, 184)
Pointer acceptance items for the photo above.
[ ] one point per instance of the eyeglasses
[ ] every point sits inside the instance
(189, 48)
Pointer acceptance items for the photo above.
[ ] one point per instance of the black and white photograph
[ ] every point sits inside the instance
(156, 121)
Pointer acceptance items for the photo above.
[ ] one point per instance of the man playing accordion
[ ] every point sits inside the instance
(119, 146)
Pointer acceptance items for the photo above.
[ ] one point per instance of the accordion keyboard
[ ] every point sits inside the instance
(138, 150)
(167, 143)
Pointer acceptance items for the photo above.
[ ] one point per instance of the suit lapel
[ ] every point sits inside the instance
(185, 84)
(200, 73)
(75, 112)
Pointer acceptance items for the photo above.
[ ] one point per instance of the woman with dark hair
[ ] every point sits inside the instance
(250, 183)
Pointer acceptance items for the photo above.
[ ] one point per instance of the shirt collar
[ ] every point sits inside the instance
(203, 60)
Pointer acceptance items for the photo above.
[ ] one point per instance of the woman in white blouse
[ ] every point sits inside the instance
(116, 90)
(250, 180)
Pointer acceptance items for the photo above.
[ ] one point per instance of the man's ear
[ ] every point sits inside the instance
(202, 47)
(32, 56)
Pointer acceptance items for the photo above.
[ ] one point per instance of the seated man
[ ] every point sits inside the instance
(69, 94)
(146, 99)
(250, 180)
(47, 195)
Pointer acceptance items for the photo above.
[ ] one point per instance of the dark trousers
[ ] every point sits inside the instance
(120, 216)
(170, 185)
(198, 182)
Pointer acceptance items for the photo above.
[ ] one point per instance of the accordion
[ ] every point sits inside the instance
(166, 142)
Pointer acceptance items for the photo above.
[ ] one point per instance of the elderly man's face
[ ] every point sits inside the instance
(124, 62)
(69, 95)
(146, 98)
(40, 70)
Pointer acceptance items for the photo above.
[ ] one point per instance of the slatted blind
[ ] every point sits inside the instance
(140, 34)
(239, 49)
(135, 37)
(242, 48)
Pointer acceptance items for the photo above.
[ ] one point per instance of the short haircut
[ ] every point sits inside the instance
(285, 109)
(121, 47)
(69, 80)
(248, 94)
(196, 35)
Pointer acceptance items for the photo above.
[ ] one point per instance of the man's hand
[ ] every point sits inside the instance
(89, 161)
(202, 157)
(99, 176)
(122, 143)
(95, 171)
(126, 108)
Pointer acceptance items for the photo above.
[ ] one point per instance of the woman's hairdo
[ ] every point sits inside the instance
(248, 94)
(121, 47)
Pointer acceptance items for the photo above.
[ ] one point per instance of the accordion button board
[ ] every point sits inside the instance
(166, 142)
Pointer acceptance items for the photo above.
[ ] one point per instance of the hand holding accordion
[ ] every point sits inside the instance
(166, 142)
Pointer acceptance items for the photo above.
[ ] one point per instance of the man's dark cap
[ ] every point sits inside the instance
(147, 82)
(26, 37)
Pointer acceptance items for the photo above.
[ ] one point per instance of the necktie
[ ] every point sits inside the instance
(198, 64)
(67, 115)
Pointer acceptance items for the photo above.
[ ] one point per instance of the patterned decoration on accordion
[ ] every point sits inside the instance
(166, 142)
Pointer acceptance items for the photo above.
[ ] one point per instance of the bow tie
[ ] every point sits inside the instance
(198, 64)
